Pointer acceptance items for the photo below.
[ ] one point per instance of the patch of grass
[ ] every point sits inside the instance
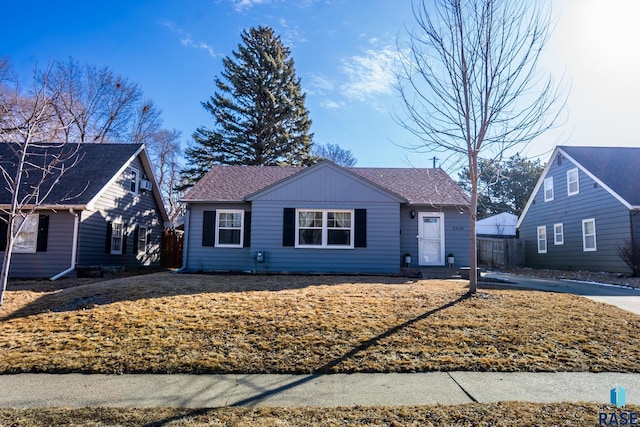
(170, 323)
(498, 414)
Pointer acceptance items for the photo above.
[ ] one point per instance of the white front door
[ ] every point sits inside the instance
(431, 238)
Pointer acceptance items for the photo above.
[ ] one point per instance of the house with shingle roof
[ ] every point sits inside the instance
(105, 210)
(584, 207)
(324, 219)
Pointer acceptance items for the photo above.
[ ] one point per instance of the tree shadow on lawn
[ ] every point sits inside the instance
(327, 368)
(165, 284)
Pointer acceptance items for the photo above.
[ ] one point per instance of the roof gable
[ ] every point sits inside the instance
(329, 182)
(616, 168)
(596, 162)
(413, 185)
(96, 166)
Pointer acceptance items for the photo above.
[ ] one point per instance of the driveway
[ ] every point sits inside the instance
(624, 298)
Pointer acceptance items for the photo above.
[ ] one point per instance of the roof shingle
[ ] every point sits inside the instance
(418, 186)
(97, 164)
(617, 167)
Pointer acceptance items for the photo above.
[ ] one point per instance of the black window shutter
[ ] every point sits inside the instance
(208, 228)
(360, 238)
(247, 230)
(136, 231)
(124, 238)
(107, 248)
(3, 233)
(289, 227)
(43, 233)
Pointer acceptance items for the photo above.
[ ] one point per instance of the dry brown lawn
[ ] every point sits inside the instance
(174, 323)
(504, 414)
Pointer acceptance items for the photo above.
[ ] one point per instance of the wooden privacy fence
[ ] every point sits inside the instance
(172, 242)
(500, 252)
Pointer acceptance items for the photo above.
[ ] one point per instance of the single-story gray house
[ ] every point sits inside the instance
(584, 207)
(324, 219)
(105, 210)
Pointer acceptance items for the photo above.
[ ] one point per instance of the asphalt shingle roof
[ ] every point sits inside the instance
(617, 167)
(418, 186)
(97, 164)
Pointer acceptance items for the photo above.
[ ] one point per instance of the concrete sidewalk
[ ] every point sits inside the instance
(200, 391)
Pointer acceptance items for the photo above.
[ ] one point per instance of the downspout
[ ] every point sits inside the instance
(185, 241)
(74, 247)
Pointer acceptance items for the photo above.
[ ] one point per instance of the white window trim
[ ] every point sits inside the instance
(115, 236)
(142, 237)
(542, 228)
(558, 238)
(577, 182)
(548, 186)
(33, 218)
(584, 236)
(133, 173)
(325, 229)
(217, 237)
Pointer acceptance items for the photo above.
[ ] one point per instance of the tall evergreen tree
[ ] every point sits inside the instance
(258, 108)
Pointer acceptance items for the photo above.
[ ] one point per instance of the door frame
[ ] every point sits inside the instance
(440, 216)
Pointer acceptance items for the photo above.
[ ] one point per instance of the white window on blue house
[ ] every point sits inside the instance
(324, 228)
(229, 228)
(142, 239)
(26, 240)
(573, 186)
(133, 180)
(589, 235)
(117, 231)
(542, 239)
(548, 189)
(558, 234)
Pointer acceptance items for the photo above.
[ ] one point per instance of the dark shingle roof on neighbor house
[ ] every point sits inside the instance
(616, 167)
(96, 165)
(416, 185)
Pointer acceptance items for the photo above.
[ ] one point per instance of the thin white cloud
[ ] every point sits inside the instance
(186, 40)
(242, 5)
(330, 104)
(369, 74)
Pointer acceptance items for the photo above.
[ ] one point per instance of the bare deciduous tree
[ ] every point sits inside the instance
(33, 170)
(164, 153)
(96, 105)
(470, 83)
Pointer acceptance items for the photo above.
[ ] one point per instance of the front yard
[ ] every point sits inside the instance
(173, 323)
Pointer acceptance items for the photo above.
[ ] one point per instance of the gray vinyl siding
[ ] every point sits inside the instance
(117, 204)
(612, 221)
(456, 228)
(211, 258)
(381, 255)
(57, 257)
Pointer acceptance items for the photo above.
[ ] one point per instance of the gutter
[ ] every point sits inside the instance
(74, 247)
(185, 241)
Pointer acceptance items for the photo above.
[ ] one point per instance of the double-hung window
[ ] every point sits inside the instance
(558, 234)
(589, 235)
(542, 239)
(142, 239)
(324, 228)
(117, 231)
(573, 186)
(229, 229)
(27, 239)
(133, 180)
(548, 189)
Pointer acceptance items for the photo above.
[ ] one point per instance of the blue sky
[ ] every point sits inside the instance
(342, 50)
